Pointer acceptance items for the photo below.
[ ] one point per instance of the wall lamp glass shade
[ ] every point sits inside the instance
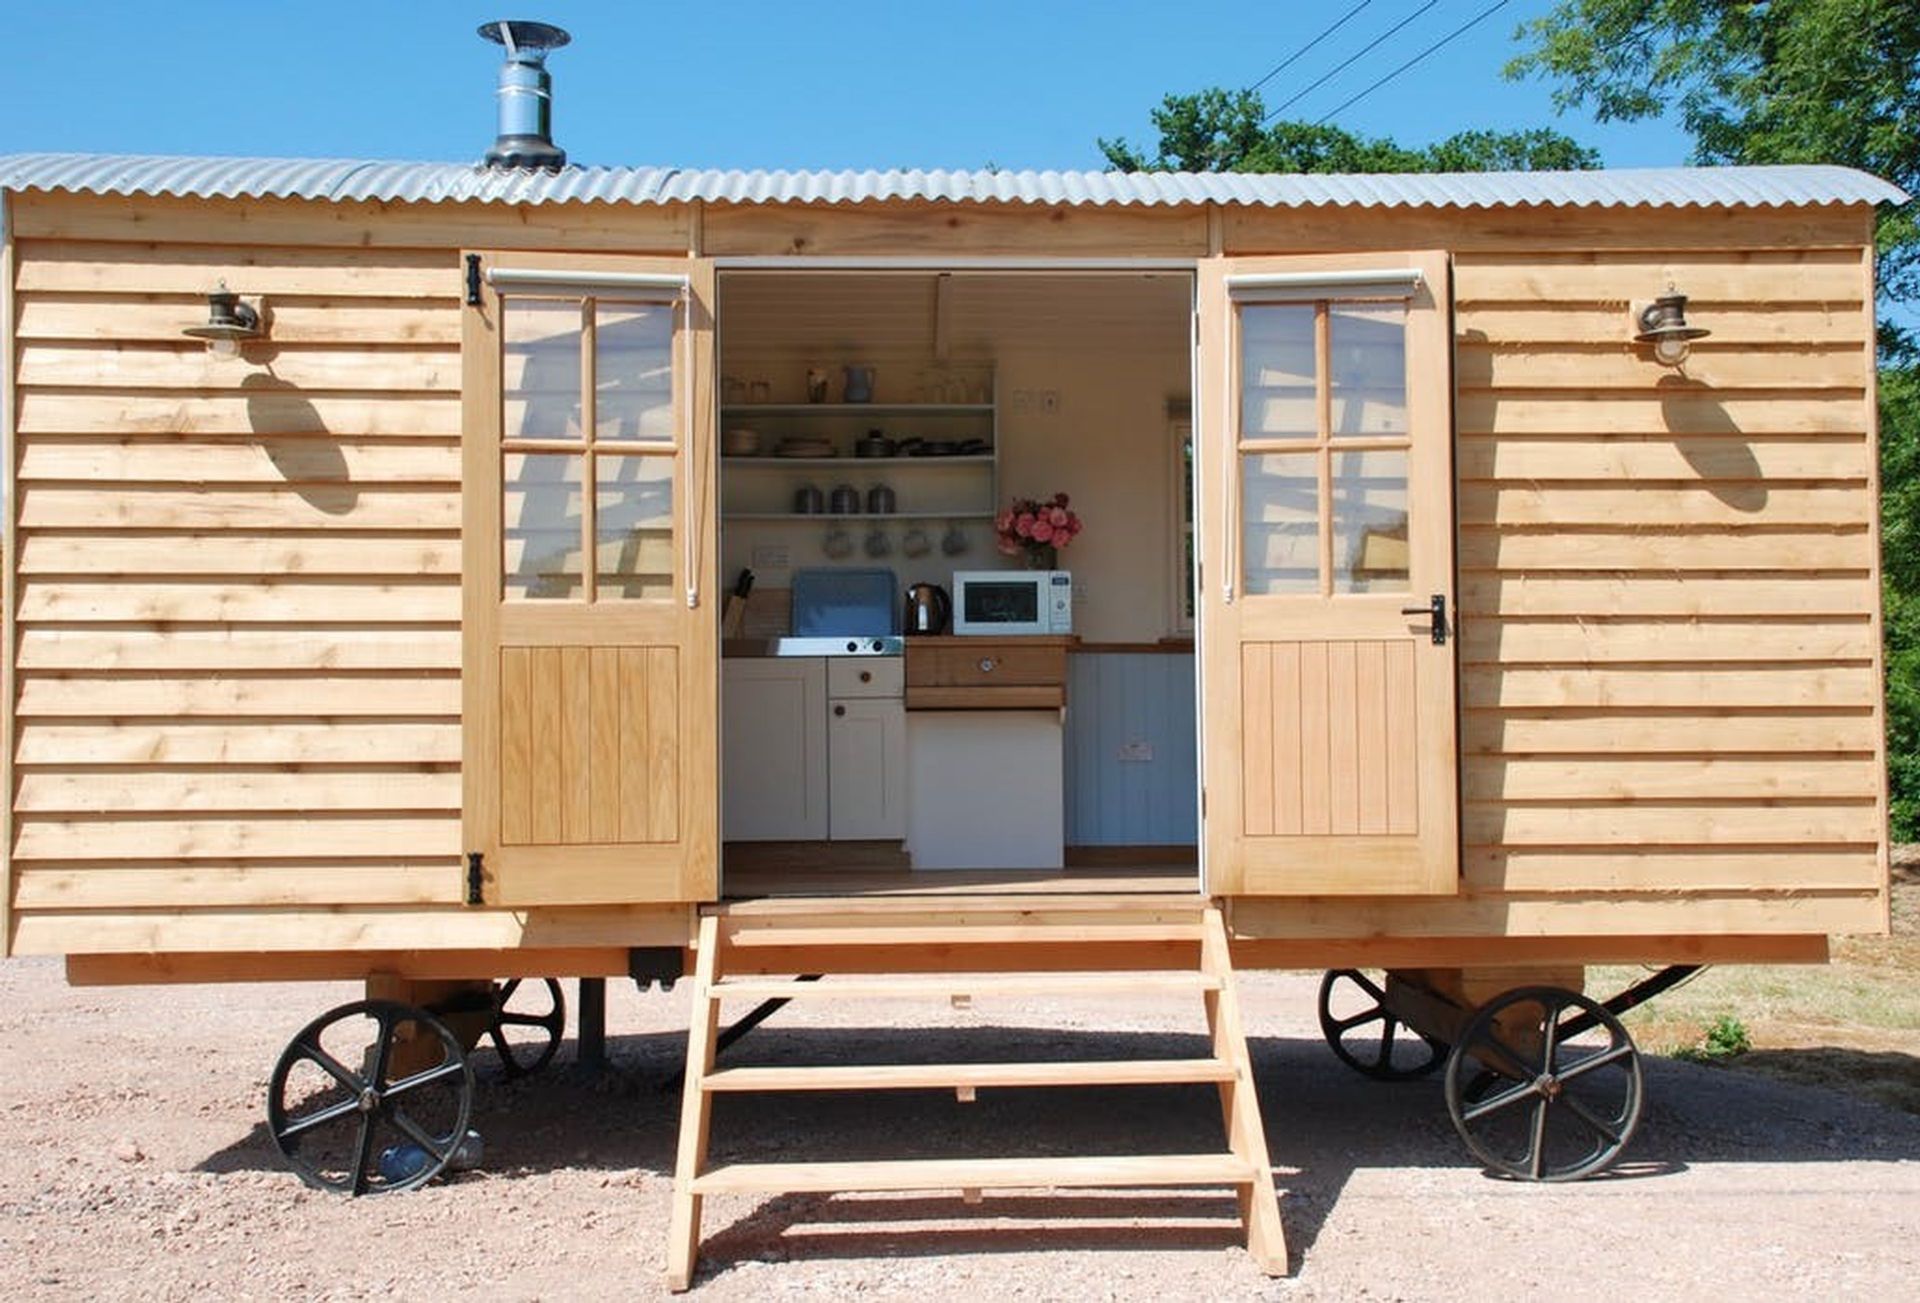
(229, 324)
(1663, 323)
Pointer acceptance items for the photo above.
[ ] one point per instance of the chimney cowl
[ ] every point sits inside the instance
(525, 140)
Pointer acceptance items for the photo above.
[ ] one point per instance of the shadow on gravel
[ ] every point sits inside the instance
(1323, 1124)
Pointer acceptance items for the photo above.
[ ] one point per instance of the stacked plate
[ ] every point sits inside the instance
(740, 443)
(804, 446)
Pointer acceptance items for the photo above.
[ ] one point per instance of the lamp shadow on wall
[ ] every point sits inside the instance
(284, 421)
(1700, 427)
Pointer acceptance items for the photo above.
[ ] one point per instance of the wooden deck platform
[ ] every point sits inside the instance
(774, 870)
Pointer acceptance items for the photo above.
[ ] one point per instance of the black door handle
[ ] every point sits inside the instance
(1436, 611)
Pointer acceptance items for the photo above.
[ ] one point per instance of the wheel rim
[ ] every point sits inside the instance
(1536, 1104)
(526, 1030)
(1365, 1036)
(369, 1098)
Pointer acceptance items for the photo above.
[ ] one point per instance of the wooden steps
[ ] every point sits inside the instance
(1131, 1172)
(1097, 948)
(972, 1076)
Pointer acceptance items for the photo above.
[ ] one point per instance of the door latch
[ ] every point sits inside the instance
(1435, 610)
(476, 879)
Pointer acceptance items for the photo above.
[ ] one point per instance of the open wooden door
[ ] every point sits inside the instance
(1326, 585)
(590, 692)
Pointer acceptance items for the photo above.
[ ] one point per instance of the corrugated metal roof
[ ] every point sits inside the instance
(341, 180)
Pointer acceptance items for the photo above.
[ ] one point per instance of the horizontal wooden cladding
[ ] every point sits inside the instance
(274, 460)
(351, 225)
(1705, 276)
(1654, 594)
(1741, 823)
(1508, 231)
(259, 742)
(1554, 323)
(1586, 870)
(1655, 457)
(1666, 410)
(1698, 685)
(192, 885)
(1692, 731)
(404, 836)
(343, 506)
(234, 791)
(1736, 912)
(1719, 368)
(1607, 778)
(261, 412)
(297, 598)
(1597, 548)
(132, 268)
(590, 745)
(924, 229)
(1748, 502)
(1487, 641)
(188, 365)
(306, 647)
(306, 929)
(121, 695)
(159, 318)
(236, 552)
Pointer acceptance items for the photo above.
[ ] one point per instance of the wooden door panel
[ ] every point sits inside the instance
(590, 672)
(1324, 477)
(590, 745)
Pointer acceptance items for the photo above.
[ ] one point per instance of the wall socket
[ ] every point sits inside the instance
(771, 556)
(1135, 752)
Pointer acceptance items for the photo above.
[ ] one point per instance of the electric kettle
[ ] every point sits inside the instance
(928, 610)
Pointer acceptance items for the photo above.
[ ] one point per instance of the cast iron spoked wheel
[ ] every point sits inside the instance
(1544, 1085)
(364, 1079)
(1365, 1037)
(525, 1034)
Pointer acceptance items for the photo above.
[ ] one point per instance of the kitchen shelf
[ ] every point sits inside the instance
(877, 517)
(856, 409)
(979, 459)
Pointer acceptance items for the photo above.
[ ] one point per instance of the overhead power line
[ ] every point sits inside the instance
(1471, 22)
(1348, 61)
(1287, 62)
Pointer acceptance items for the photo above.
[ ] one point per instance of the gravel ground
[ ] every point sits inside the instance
(133, 1163)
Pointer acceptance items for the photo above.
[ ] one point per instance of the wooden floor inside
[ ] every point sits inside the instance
(760, 870)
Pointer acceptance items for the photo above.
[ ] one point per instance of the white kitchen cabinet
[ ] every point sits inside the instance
(866, 764)
(774, 749)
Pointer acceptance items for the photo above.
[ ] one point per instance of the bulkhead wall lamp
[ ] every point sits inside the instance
(229, 324)
(1663, 324)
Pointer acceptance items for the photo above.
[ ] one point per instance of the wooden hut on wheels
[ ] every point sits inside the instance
(447, 575)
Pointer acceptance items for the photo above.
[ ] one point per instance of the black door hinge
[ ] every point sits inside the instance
(473, 280)
(476, 878)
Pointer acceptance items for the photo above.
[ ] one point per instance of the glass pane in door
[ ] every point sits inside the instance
(1367, 368)
(1278, 395)
(633, 521)
(633, 371)
(1280, 529)
(540, 526)
(1370, 522)
(540, 383)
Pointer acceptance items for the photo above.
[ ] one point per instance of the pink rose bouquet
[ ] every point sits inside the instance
(1039, 529)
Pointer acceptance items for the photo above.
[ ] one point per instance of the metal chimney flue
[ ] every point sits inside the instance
(526, 96)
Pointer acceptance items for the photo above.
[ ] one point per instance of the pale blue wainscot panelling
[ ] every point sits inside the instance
(1130, 757)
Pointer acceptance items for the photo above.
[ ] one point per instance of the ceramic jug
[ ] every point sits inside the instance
(859, 384)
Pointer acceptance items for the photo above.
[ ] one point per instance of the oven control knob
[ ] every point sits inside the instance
(878, 646)
(853, 647)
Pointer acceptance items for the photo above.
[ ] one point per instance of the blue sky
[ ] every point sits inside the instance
(750, 84)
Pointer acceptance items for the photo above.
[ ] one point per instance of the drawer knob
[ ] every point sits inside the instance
(866, 676)
(840, 710)
(986, 664)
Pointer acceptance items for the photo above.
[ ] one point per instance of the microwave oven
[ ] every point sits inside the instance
(1012, 601)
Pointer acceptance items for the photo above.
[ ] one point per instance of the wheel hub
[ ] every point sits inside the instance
(369, 1099)
(1549, 1085)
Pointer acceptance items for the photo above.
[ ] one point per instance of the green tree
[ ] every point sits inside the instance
(1218, 130)
(1791, 81)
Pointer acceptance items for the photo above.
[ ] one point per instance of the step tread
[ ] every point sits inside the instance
(947, 986)
(902, 1076)
(976, 1174)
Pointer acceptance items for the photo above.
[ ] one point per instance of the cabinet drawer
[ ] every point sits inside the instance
(865, 676)
(987, 665)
